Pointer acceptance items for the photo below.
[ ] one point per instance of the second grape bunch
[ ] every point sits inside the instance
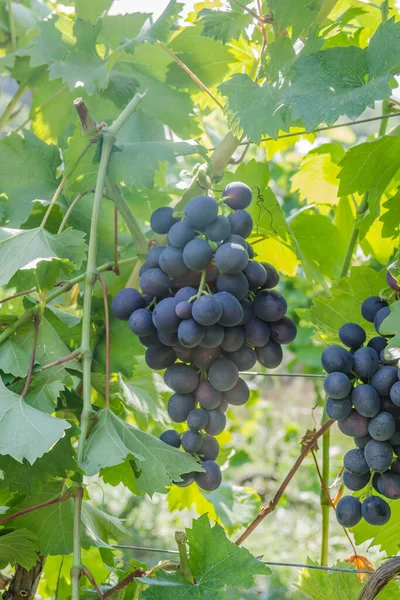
(206, 312)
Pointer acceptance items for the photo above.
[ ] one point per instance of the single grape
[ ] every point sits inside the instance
(125, 303)
(375, 510)
(213, 336)
(395, 467)
(338, 409)
(354, 425)
(160, 357)
(171, 261)
(375, 481)
(272, 276)
(256, 274)
(283, 331)
(197, 419)
(180, 234)
(236, 239)
(389, 485)
(382, 427)
(355, 482)
(209, 449)
(191, 278)
(384, 379)
(270, 306)
(179, 406)
(240, 195)
(270, 355)
(395, 393)
(337, 385)
(206, 310)
(366, 400)
(155, 282)
(250, 250)
(153, 257)
(233, 339)
(238, 395)
(164, 316)
(237, 285)
(231, 258)
(388, 406)
(232, 312)
(201, 211)
(141, 323)
(197, 254)
(378, 343)
(380, 316)
(223, 407)
(181, 378)
(150, 341)
(366, 362)
(216, 422)
(223, 375)
(145, 267)
(187, 479)
(241, 222)
(394, 440)
(171, 437)
(191, 441)
(257, 333)
(348, 511)
(203, 358)
(370, 307)
(185, 293)
(184, 354)
(248, 311)
(211, 478)
(387, 361)
(336, 358)
(245, 358)
(218, 230)
(207, 396)
(352, 335)
(183, 310)
(168, 338)
(354, 462)
(362, 441)
(190, 333)
(392, 282)
(162, 220)
(378, 455)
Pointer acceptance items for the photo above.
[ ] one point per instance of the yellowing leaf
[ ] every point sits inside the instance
(274, 251)
(187, 497)
(316, 180)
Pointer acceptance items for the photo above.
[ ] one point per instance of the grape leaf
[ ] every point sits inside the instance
(316, 180)
(24, 431)
(391, 217)
(115, 29)
(25, 248)
(18, 547)
(159, 29)
(14, 359)
(91, 11)
(223, 25)
(216, 563)
(112, 440)
(141, 395)
(244, 99)
(36, 164)
(48, 46)
(380, 56)
(81, 69)
(331, 83)
(299, 15)
(329, 313)
(369, 167)
(386, 536)
(100, 526)
(278, 58)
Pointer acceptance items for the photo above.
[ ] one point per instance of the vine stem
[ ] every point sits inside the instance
(53, 201)
(11, 23)
(116, 267)
(11, 106)
(63, 360)
(76, 570)
(184, 565)
(251, 12)
(275, 501)
(140, 241)
(69, 211)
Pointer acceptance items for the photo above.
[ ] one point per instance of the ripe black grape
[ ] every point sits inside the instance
(213, 336)
(387, 361)
(238, 395)
(181, 378)
(355, 482)
(141, 323)
(191, 441)
(245, 358)
(171, 261)
(337, 385)
(241, 222)
(240, 195)
(380, 316)
(336, 358)
(395, 393)
(237, 285)
(257, 333)
(370, 307)
(354, 462)
(187, 479)
(164, 316)
(179, 406)
(168, 338)
(283, 331)
(171, 437)
(180, 234)
(354, 425)
(155, 282)
(233, 339)
(270, 355)
(248, 311)
(209, 449)
(348, 511)
(197, 419)
(256, 274)
(378, 455)
(190, 333)
(203, 358)
(150, 341)
(219, 229)
(153, 257)
(375, 510)
(125, 303)
(362, 441)
(378, 343)
(223, 375)
(384, 379)
(231, 258)
(159, 357)
(207, 396)
(184, 354)
(389, 485)
(216, 422)
(270, 306)
(183, 309)
(206, 310)
(352, 335)
(272, 276)
(366, 362)
(382, 427)
(197, 254)
(338, 409)
(185, 293)
(162, 220)
(366, 400)
(201, 211)
(232, 312)
(211, 479)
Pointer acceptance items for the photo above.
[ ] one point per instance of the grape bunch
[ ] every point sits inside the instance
(363, 391)
(207, 311)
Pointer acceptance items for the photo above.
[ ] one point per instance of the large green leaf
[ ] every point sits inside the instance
(25, 248)
(223, 25)
(215, 562)
(316, 180)
(299, 15)
(141, 395)
(14, 359)
(91, 11)
(112, 440)
(48, 46)
(18, 547)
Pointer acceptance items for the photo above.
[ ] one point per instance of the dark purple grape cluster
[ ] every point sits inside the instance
(363, 391)
(207, 311)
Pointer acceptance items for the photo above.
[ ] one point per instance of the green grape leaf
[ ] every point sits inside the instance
(316, 180)
(215, 562)
(329, 313)
(244, 99)
(278, 58)
(36, 164)
(91, 10)
(100, 526)
(391, 217)
(299, 15)
(25, 248)
(159, 29)
(81, 68)
(112, 440)
(48, 46)
(18, 547)
(44, 393)
(14, 359)
(81, 168)
(123, 349)
(222, 25)
(380, 56)
(141, 395)
(331, 83)
(24, 431)
(115, 29)
(136, 162)
(369, 167)
(121, 88)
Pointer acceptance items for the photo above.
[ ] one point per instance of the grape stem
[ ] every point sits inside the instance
(201, 286)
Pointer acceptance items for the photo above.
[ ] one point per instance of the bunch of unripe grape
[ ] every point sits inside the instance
(207, 311)
(363, 391)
